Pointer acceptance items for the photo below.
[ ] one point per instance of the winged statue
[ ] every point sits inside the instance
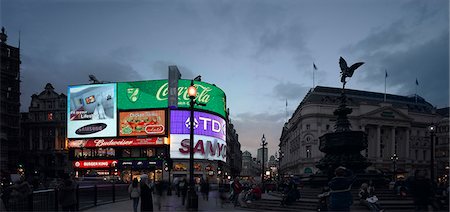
(347, 71)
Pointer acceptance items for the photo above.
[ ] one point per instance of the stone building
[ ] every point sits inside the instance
(250, 167)
(10, 104)
(234, 153)
(398, 126)
(43, 143)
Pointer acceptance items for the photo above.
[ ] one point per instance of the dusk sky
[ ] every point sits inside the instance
(261, 53)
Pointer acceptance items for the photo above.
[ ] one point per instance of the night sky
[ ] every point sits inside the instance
(261, 53)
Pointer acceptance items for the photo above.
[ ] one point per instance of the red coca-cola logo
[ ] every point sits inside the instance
(154, 129)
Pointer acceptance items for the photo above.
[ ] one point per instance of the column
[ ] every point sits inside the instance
(378, 142)
(363, 152)
(407, 143)
(41, 145)
(30, 138)
(57, 146)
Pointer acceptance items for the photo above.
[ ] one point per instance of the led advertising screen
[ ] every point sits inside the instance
(111, 142)
(204, 124)
(205, 147)
(136, 123)
(155, 93)
(91, 111)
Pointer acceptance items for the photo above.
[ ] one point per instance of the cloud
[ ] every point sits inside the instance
(289, 90)
(252, 126)
(161, 68)
(45, 66)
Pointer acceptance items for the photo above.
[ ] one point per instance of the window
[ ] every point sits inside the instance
(424, 154)
(307, 127)
(416, 154)
(126, 153)
(135, 153)
(328, 127)
(308, 151)
(150, 152)
(50, 116)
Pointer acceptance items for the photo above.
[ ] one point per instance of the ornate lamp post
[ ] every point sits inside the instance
(394, 159)
(432, 129)
(192, 203)
(263, 144)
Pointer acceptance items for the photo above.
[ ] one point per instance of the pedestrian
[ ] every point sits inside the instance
(291, 193)
(340, 197)
(368, 199)
(135, 193)
(67, 193)
(204, 188)
(222, 194)
(183, 187)
(158, 192)
(421, 190)
(236, 187)
(146, 194)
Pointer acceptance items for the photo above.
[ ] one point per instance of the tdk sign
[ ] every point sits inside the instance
(204, 124)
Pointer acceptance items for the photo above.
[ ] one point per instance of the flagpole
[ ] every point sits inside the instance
(286, 111)
(416, 90)
(313, 78)
(385, 77)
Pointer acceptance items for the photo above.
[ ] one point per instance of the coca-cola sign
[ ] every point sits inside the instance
(155, 94)
(110, 142)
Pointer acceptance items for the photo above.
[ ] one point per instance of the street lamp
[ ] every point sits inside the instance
(263, 144)
(432, 129)
(394, 159)
(192, 203)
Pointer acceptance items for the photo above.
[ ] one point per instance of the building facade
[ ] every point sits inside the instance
(234, 153)
(250, 168)
(43, 135)
(10, 104)
(398, 126)
(442, 146)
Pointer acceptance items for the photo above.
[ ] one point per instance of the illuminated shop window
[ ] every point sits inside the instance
(180, 167)
(50, 116)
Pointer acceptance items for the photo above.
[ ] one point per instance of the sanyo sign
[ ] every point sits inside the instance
(205, 147)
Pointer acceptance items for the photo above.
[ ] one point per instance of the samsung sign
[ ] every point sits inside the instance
(91, 111)
(205, 147)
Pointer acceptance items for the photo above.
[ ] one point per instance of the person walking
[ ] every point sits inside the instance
(135, 192)
(340, 197)
(146, 194)
(236, 187)
(67, 194)
(183, 187)
(205, 189)
(158, 192)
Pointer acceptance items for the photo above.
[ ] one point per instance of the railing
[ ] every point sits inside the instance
(87, 197)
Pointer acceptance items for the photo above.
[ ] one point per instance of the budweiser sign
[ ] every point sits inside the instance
(109, 142)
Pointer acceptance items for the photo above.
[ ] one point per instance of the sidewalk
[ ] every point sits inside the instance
(171, 203)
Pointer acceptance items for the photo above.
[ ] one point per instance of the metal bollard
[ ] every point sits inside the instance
(114, 191)
(95, 194)
(56, 200)
(30, 202)
(78, 197)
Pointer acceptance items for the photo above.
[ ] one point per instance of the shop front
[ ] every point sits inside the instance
(134, 168)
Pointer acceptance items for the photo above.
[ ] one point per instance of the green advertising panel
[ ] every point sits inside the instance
(154, 94)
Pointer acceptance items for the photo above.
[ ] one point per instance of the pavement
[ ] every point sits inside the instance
(172, 203)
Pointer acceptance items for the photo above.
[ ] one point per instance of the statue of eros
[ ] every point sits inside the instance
(347, 71)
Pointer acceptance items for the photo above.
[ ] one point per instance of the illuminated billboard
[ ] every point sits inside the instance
(204, 124)
(155, 93)
(149, 122)
(91, 111)
(205, 147)
(112, 142)
(90, 164)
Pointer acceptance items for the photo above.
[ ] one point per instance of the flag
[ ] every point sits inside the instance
(417, 82)
(286, 102)
(314, 66)
(386, 75)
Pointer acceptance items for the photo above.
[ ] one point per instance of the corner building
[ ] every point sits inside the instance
(397, 126)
